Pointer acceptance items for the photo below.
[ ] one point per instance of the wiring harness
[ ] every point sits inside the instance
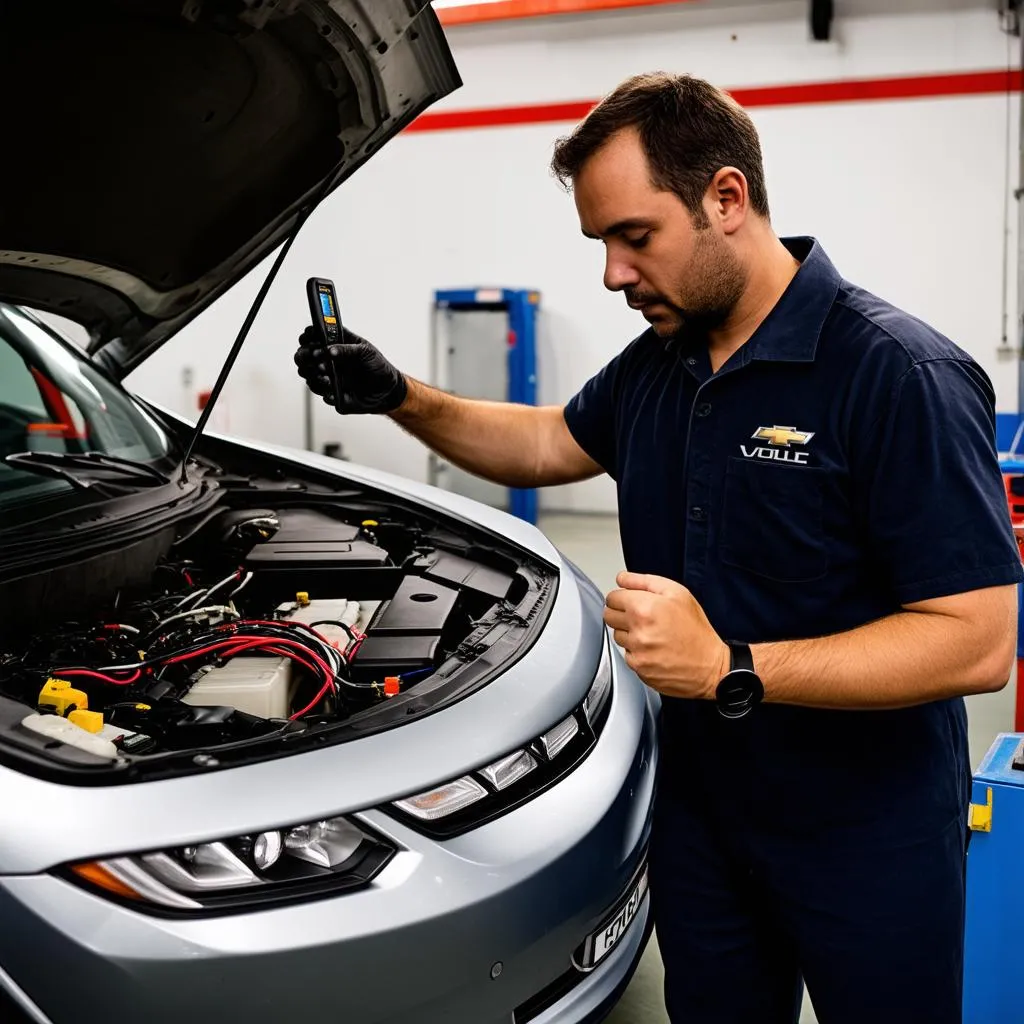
(189, 646)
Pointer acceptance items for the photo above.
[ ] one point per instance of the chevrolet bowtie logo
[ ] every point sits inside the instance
(782, 436)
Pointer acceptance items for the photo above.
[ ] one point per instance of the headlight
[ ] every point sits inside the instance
(597, 699)
(508, 770)
(280, 864)
(482, 795)
(445, 800)
(554, 741)
(266, 849)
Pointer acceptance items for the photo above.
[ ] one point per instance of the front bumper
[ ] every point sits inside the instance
(418, 946)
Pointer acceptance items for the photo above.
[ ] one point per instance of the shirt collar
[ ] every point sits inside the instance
(791, 330)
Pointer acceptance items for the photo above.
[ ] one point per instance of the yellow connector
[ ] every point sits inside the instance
(90, 721)
(302, 598)
(60, 697)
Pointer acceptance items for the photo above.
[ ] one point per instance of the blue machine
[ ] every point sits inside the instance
(517, 309)
(994, 942)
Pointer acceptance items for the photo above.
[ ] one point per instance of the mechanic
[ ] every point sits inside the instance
(804, 469)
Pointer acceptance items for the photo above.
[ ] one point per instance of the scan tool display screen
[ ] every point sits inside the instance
(323, 309)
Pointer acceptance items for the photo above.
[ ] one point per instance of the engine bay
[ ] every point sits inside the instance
(262, 621)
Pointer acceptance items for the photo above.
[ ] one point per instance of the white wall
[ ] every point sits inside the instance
(908, 198)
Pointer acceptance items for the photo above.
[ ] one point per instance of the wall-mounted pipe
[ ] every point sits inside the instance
(822, 12)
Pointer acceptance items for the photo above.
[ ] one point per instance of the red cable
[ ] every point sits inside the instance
(269, 645)
(99, 675)
(329, 683)
(240, 643)
(323, 666)
(255, 641)
(231, 652)
(280, 646)
(312, 704)
(277, 624)
(293, 625)
(295, 657)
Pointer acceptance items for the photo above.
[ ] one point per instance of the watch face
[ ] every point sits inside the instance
(738, 692)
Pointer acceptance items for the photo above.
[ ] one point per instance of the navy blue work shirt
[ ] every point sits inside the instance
(840, 465)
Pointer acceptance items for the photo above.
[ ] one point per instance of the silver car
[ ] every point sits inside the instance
(281, 738)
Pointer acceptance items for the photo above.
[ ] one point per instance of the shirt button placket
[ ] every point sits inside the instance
(698, 491)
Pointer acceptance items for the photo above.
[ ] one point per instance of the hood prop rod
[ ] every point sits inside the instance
(250, 318)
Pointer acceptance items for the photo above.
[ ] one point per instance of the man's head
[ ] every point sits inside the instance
(667, 172)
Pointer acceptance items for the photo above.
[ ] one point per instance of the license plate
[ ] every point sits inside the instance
(601, 942)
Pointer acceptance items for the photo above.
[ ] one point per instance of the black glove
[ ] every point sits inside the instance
(367, 381)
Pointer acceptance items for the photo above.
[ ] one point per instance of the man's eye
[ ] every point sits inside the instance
(639, 241)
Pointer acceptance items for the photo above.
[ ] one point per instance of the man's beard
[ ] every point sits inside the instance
(714, 283)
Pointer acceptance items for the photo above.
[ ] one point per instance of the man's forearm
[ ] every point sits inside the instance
(496, 440)
(907, 658)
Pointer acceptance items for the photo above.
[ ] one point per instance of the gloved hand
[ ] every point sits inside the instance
(367, 381)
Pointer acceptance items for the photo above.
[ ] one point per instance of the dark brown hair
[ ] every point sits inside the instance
(688, 128)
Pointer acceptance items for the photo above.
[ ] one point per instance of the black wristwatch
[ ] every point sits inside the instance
(740, 688)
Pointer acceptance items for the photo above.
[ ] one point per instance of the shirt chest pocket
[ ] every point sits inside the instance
(772, 522)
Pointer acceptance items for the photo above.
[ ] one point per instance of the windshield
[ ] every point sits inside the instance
(53, 400)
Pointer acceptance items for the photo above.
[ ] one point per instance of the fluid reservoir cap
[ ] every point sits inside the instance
(370, 522)
(302, 598)
(90, 721)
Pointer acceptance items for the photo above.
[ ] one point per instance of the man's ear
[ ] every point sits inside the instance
(728, 199)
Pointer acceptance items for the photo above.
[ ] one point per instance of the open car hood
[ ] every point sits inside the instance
(158, 149)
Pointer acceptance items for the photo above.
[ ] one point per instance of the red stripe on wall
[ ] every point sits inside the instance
(491, 117)
(971, 83)
(501, 10)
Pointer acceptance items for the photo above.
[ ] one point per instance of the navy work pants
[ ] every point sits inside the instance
(872, 925)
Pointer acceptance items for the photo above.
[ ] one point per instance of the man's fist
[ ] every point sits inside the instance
(666, 636)
(367, 382)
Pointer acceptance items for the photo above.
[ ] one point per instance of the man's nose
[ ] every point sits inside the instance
(619, 274)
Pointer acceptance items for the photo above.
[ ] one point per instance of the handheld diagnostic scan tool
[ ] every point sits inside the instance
(323, 309)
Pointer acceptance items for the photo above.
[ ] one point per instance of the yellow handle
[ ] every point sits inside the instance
(980, 819)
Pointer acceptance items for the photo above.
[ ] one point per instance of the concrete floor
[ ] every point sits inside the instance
(592, 542)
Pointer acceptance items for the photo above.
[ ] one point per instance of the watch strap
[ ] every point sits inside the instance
(740, 656)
